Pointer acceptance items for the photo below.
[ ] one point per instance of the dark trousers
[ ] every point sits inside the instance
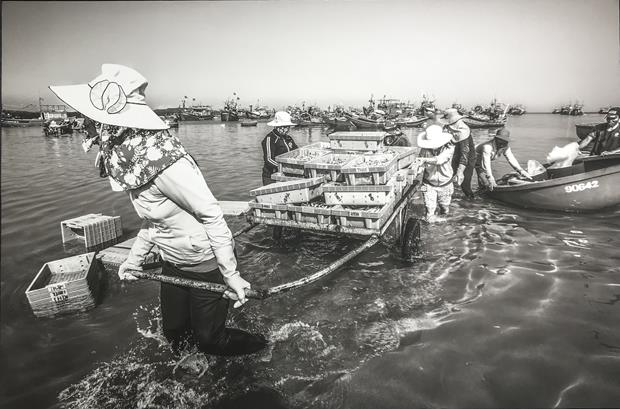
(192, 316)
(467, 176)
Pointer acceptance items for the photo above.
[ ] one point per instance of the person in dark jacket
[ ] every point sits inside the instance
(464, 159)
(606, 136)
(277, 142)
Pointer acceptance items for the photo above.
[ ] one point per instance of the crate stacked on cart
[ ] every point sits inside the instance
(350, 185)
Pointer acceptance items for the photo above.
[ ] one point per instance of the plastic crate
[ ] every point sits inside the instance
(359, 141)
(329, 166)
(97, 231)
(293, 191)
(316, 213)
(369, 217)
(63, 286)
(362, 195)
(405, 155)
(284, 177)
(292, 162)
(374, 169)
(269, 210)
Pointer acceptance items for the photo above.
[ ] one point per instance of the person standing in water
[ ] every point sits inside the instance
(179, 213)
(275, 143)
(464, 159)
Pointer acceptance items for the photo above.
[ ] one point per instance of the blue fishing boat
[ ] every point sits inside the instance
(591, 184)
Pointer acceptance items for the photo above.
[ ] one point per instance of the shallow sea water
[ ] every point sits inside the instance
(506, 307)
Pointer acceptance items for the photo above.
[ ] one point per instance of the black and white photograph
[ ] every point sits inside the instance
(300, 204)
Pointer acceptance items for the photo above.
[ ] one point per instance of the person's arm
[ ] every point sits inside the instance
(585, 141)
(141, 247)
(268, 151)
(486, 164)
(294, 144)
(443, 157)
(184, 184)
(510, 157)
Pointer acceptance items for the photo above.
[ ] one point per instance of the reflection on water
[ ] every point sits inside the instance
(506, 307)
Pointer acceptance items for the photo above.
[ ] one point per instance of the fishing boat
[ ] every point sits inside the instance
(517, 110)
(172, 121)
(481, 123)
(591, 184)
(364, 122)
(52, 128)
(248, 122)
(577, 109)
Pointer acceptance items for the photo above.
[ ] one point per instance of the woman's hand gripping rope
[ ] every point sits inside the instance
(237, 289)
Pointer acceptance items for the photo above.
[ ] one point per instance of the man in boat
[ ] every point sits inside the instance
(606, 136)
(277, 142)
(179, 213)
(464, 157)
(488, 151)
(435, 158)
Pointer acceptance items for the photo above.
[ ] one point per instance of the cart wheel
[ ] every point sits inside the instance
(410, 246)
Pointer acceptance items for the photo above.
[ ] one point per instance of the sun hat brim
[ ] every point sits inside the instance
(131, 116)
(435, 143)
(276, 124)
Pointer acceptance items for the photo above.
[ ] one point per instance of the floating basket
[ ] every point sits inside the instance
(97, 231)
(63, 286)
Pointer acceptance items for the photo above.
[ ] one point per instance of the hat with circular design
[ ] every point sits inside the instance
(116, 97)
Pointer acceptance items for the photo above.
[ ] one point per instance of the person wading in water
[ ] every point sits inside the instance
(179, 213)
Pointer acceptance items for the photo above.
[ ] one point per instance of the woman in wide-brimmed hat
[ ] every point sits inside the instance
(180, 215)
(435, 156)
(464, 158)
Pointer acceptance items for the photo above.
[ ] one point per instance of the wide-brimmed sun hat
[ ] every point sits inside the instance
(433, 137)
(452, 115)
(116, 97)
(281, 118)
(503, 134)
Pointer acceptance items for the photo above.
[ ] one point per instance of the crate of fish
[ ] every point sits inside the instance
(360, 195)
(357, 141)
(63, 286)
(292, 163)
(406, 155)
(329, 166)
(281, 177)
(375, 169)
(316, 212)
(292, 191)
(96, 230)
(367, 217)
(270, 211)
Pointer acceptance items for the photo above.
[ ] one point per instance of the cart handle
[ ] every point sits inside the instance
(259, 293)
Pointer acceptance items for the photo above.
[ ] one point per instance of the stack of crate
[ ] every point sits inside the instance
(362, 180)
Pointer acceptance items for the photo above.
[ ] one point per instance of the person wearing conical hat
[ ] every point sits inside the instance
(490, 150)
(275, 143)
(179, 213)
(436, 151)
(464, 158)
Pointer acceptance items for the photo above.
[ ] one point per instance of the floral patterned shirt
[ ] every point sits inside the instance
(132, 157)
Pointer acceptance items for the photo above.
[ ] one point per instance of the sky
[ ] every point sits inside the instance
(540, 53)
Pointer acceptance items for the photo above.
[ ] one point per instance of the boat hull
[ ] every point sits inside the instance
(481, 123)
(588, 191)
